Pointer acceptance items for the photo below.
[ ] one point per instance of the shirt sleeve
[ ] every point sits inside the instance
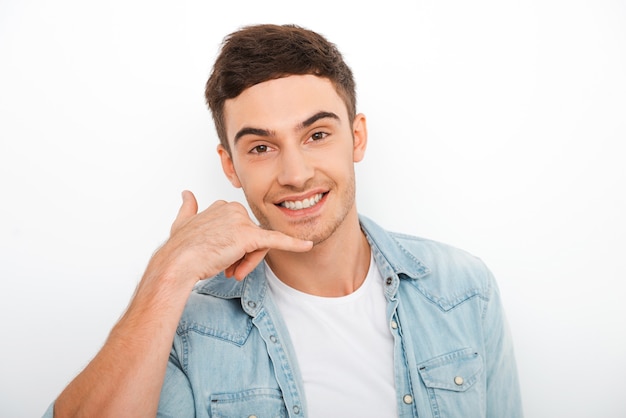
(49, 412)
(503, 391)
(176, 399)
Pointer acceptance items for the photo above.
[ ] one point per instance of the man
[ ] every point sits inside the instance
(316, 311)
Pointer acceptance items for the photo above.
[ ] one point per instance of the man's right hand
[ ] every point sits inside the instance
(220, 238)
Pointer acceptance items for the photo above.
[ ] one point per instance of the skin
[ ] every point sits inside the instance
(288, 146)
(320, 250)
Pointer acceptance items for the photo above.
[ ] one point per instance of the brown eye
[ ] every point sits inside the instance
(259, 149)
(318, 135)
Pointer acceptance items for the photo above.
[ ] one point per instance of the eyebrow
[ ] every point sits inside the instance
(302, 125)
(252, 131)
(319, 115)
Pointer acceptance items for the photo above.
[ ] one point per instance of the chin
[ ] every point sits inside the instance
(313, 231)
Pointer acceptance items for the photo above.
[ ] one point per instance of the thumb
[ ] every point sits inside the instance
(187, 210)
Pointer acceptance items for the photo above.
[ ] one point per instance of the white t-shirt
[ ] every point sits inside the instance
(344, 348)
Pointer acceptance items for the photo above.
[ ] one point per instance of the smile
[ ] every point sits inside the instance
(302, 204)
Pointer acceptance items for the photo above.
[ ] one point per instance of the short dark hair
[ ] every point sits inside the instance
(259, 53)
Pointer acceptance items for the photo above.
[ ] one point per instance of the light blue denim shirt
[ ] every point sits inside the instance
(453, 355)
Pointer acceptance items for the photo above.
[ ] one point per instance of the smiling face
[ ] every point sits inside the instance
(293, 151)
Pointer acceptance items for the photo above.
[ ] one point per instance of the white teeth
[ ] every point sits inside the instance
(302, 204)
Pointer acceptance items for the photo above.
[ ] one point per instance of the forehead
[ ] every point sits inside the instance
(282, 103)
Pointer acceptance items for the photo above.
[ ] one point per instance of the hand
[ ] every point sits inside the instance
(220, 238)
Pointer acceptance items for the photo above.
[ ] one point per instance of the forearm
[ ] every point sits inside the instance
(126, 376)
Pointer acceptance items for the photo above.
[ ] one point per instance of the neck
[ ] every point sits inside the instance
(335, 267)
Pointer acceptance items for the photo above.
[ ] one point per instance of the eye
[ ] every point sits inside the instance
(259, 149)
(317, 136)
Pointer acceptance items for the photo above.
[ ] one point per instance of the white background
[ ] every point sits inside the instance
(495, 126)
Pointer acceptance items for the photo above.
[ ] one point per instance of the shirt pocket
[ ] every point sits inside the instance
(451, 382)
(259, 403)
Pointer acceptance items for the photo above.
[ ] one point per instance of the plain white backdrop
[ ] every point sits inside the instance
(495, 125)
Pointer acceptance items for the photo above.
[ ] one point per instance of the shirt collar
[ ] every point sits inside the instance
(389, 252)
(391, 257)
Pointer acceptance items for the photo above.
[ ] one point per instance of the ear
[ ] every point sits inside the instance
(359, 133)
(228, 167)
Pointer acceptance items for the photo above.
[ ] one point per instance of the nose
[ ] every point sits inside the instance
(295, 168)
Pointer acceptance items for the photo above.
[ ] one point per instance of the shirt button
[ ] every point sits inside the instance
(251, 304)
(407, 399)
(252, 416)
(273, 338)
(394, 325)
(458, 380)
(389, 281)
(296, 409)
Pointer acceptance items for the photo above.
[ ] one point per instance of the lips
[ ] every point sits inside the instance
(302, 204)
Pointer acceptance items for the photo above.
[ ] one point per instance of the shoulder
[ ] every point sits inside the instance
(214, 306)
(434, 267)
(455, 275)
(440, 257)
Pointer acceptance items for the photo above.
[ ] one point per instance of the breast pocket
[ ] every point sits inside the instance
(451, 382)
(258, 403)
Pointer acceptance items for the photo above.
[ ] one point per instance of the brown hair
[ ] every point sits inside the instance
(259, 53)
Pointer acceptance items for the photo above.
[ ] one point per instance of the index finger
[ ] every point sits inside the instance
(280, 241)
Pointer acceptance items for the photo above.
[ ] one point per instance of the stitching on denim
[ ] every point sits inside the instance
(448, 304)
(236, 339)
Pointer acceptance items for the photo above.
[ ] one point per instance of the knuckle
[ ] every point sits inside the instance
(218, 203)
(237, 207)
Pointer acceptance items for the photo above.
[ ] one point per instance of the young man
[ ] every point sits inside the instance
(316, 311)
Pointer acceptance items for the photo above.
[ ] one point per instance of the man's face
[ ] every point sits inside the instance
(293, 152)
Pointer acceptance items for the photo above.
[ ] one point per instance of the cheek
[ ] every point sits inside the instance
(254, 181)
(339, 163)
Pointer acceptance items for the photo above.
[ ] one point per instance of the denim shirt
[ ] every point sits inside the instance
(453, 355)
